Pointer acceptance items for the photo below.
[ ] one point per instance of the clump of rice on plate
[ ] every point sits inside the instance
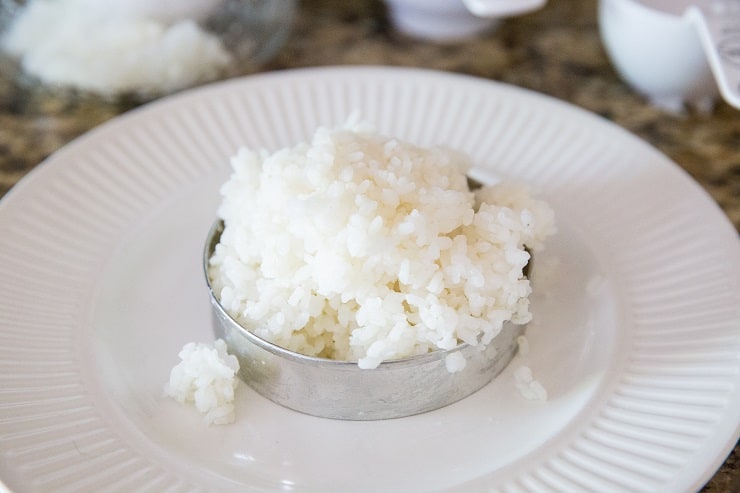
(206, 378)
(361, 247)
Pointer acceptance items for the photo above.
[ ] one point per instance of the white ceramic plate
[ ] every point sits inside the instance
(636, 338)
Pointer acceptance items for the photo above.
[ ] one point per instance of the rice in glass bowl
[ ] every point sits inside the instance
(137, 49)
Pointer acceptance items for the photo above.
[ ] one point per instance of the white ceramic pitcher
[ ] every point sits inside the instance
(675, 52)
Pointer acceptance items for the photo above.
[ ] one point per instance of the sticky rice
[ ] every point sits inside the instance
(361, 247)
(86, 45)
(206, 378)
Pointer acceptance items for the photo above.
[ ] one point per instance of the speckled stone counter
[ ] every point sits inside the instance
(556, 51)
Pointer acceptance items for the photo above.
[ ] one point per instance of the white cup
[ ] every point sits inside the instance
(453, 20)
(675, 52)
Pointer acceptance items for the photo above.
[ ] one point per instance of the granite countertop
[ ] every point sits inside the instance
(556, 51)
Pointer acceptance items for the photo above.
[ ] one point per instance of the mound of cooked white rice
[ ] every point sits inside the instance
(206, 378)
(361, 247)
(112, 49)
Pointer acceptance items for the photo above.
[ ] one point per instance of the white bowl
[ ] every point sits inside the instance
(453, 20)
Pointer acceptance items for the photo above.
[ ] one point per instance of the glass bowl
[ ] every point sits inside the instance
(138, 48)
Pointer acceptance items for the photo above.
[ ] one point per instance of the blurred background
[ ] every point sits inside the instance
(48, 98)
